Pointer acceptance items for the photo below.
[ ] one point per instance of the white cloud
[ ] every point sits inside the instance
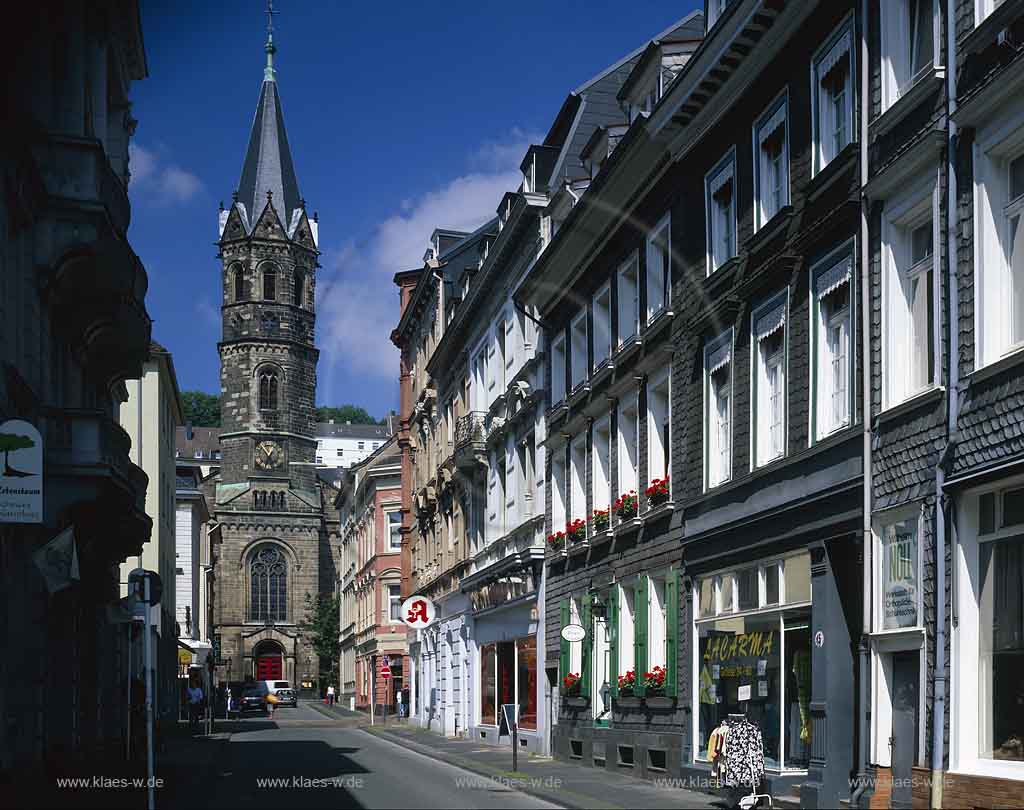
(208, 313)
(155, 179)
(358, 301)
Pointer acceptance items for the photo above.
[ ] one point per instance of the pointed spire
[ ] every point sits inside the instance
(268, 71)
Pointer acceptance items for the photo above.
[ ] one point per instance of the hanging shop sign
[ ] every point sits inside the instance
(418, 612)
(21, 473)
(574, 632)
(900, 575)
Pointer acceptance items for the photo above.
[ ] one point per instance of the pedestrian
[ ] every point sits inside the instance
(231, 703)
(195, 706)
(271, 700)
(401, 705)
(330, 695)
(405, 700)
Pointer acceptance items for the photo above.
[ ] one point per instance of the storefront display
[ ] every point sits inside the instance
(508, 674)
(754, 657)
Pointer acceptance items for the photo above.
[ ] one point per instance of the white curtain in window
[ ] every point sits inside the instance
(833, 367)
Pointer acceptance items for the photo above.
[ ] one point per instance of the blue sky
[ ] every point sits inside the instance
(401, 117)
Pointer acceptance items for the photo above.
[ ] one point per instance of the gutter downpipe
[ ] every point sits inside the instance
(953, 408)
(867, 539)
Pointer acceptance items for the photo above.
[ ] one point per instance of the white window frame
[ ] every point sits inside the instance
(659, 456)
(558, 368)
(575, 647)
(602, 324)
(720, 473)
(965, 726)
(897, 42)
(578, 477)
(995, 147)
(394, 600)
(391, 527)
(626, 631)
(840, 41)
(768, 124)
(900, 343)
(820, 429)
(579, 364)
(720, 231)
(716, 8)
(559, 489)
(601, 483)
(659, 279)
(657, 621)
(628, 442)
(628, 299)
(764, 449)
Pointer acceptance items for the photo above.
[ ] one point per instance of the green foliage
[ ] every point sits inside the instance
(201, 409)
(321, 628)
(346, 413)
(9, 442)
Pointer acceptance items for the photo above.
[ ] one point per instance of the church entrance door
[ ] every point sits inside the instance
(269, 668)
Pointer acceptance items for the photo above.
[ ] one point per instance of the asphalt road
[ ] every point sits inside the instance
(303, 759)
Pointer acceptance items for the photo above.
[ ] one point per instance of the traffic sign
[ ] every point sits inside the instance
(418, 612)
(385, 669)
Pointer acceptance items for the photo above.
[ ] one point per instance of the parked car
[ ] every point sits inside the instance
(252, 701)
(286, 697)
(273, 687)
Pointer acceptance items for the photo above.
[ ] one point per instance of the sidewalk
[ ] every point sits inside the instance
(564, 784)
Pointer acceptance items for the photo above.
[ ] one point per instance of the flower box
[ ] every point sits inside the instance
(628, 702)
(556, 541)
(576, 531)
(660, 702)
(577, 702)
(571, 684)
(626, 506)
(658, 492)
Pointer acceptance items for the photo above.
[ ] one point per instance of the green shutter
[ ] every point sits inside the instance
(672, 632)
(640, 631)
(563, 653)
(613, 639)
(586, 645)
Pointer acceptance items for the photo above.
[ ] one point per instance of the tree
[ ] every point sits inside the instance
(9, 442)
(201, 409)
(355, 414)
(322, 627)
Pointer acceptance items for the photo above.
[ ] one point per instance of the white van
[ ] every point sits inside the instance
(283, 689)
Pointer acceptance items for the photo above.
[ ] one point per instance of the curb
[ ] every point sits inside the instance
(557, 799)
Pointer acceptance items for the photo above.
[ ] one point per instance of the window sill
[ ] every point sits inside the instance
(826, 176)
(1009, 361)
(928, 396)
(769, 230)
(659, 512)
(628, 348)
(601, 373)
(601, 537)
(579, 547)
(721, 274)
(579, 393)
(929, 81)
(627, 526)
(987, 31)
(557, 411)
(898, 175)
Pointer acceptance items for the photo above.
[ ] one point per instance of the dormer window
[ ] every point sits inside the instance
(716, 8)
(529, 183)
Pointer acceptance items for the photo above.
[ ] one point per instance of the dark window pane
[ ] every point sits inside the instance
(746, 587)
(1013, 507)
(771, 584)
(987, 513)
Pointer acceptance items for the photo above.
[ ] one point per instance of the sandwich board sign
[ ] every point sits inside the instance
(21, 473)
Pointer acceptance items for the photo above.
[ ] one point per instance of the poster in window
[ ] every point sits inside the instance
(900, 575)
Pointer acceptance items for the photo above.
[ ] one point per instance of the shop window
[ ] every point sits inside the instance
(656, 759)
(659, 247)
(602, 325)
(747, 589)
(899, 586)
(720, 204)
(629, 299)
(488, 684)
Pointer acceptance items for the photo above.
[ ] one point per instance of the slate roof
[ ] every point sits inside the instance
(268, 161)
(344, 430)
(205, 439)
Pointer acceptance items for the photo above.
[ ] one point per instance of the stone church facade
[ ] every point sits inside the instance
(277, 520)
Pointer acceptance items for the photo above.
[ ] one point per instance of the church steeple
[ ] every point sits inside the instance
(268, 160)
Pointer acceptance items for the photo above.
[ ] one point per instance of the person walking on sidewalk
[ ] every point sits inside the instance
(401, 704)
(195, 706)
(330, 695)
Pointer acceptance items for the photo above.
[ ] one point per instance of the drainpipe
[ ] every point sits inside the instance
(867, 540)
(953, 407)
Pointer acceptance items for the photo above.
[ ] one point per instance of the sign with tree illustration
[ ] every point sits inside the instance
(21, 473)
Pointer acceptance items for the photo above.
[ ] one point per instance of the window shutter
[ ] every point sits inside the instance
(640, 632)
(613, 639)
(671, 632)
(586, 646)
(563, 652)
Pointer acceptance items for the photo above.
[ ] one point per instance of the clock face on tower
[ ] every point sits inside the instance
(268, 455)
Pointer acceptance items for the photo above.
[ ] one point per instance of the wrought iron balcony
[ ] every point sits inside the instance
(471, 440)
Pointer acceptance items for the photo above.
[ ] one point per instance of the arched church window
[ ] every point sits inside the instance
(268, 584)
(239, 283)
(269, 285)
(300, 290)
(268, 390)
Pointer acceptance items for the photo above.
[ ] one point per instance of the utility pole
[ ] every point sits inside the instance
(149, 694)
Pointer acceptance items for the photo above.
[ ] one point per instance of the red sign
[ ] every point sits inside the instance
(385, 669)
(418, 611)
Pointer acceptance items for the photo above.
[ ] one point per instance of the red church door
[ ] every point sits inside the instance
(269, 668)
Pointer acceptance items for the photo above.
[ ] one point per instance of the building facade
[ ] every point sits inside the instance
(370, 520)
(74, 326)
(340, 445)
(276, 516)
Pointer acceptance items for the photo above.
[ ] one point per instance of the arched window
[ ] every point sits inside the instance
(269, 288)
(300, 290)
(268, 583)
(239, 283)
(268, 390)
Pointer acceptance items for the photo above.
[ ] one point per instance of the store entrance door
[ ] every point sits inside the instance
(905, 717)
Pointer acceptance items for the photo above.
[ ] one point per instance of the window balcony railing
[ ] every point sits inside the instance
(471, 439)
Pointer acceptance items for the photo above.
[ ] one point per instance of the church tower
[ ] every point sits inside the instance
(271, 507)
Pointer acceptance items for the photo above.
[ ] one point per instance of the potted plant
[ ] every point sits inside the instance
(576, 531)
(657, 493)
(601, 519)
(654, 689)
(571, 687)
(626, 506)
(627, 688)
(556, 541)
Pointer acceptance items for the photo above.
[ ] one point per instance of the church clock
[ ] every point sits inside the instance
(269, 455)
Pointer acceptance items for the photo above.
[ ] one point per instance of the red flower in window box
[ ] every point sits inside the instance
(626, 506)
(601, 519)
(556, 541)
(576, 531)
(627, 683)
(654, 681)
(571, 684)
(657, 493)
